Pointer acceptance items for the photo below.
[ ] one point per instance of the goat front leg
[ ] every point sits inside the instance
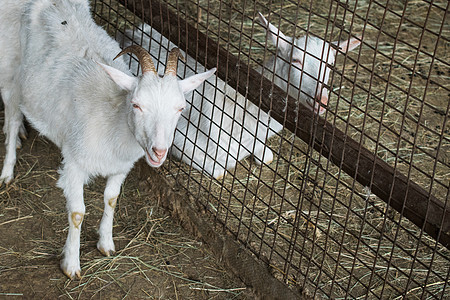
(105, 243)
(72, 181)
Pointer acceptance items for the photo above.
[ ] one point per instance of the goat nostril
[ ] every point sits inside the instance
(159, 152)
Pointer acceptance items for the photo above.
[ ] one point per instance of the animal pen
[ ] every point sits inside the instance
(355, 203)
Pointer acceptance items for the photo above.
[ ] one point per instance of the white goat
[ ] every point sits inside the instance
(300, 65)
(228, 127)
(219, 126)
(101, 117)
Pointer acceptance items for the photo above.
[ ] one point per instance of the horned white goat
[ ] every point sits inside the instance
(228, 127)
(62, 77)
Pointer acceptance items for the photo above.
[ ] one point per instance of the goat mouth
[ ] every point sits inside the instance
(151, 161)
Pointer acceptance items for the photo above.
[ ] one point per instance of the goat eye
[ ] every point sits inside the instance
(181, 109)
(296, 61)
(136, 106)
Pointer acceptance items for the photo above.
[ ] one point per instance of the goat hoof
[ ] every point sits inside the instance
(23, 133)
(106, 248)
(5, 181)
(268, 161)
(23, 136)
(73, 276)
(107, 252)
(18, 144)
(72, 272)
(219, 175)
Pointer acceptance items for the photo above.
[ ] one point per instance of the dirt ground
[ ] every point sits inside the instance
(156, 258)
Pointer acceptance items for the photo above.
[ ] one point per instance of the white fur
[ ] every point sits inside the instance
(58, 71)
(300, 65)
(238, 127)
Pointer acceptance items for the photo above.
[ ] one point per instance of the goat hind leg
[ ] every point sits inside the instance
(106, 243)
(11, 128)
(12, 111)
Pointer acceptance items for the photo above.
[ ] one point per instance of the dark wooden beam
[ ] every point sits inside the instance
(405, 196)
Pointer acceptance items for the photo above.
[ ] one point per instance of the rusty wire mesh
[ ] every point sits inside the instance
(319, 228)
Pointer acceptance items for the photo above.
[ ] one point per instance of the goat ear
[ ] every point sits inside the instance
(348, 45)
(277, 37)
(124, 81)
(192, 82)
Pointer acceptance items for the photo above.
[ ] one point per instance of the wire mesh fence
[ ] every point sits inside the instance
(354, 202)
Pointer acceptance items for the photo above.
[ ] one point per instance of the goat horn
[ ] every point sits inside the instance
(172, 61)
(145, 60)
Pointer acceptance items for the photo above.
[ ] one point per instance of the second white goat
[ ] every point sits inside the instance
(301, 65)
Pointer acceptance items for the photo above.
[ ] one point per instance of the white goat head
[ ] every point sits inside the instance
(155, 102)
(304, 64)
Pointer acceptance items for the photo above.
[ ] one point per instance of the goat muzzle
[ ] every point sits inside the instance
(145, 60)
